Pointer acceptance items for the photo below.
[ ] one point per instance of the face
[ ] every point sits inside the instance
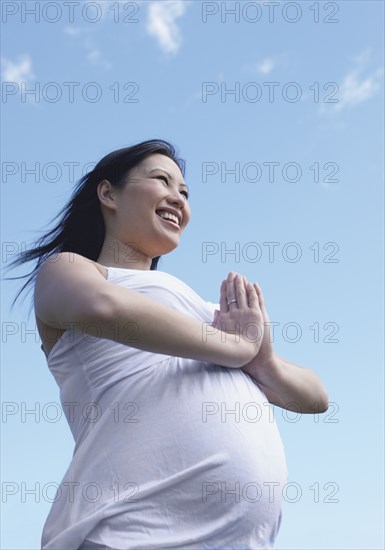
(135, 215)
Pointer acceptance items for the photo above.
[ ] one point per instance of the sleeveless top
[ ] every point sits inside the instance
(169, 452)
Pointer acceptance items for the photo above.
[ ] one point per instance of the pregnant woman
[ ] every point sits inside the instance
(164, 392)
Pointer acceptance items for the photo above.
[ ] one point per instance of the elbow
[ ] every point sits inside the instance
(319, 404)
(323, 407)
(323, 402)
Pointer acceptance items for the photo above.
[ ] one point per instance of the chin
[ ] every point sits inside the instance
(161, 251)
(161, 247)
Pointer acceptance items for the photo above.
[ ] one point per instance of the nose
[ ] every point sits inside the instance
(179, 202)
(177, 198)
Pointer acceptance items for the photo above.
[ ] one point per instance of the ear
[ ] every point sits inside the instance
(105, 193)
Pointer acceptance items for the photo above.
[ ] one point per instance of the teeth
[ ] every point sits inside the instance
(169, 216)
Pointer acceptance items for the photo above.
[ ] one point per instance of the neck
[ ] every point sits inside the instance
(118, 254)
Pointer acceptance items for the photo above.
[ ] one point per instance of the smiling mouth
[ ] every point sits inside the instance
(169, 222)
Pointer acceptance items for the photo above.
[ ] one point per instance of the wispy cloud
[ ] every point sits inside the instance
(196, 96)
(161, 23)
(356, 87)
(192, 98)
(74, 31)
(109, 7)
(95, 56)
(267, 64)
(19, 71)
(93, 53)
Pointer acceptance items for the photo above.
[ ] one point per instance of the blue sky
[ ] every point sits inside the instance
(142, 70)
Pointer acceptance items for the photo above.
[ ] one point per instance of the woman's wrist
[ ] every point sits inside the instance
(241, 350)
(266, 372)
(226, 348)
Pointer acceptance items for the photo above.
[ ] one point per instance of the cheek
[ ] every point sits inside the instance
(141, 217)
(136, 209)
(188, 217)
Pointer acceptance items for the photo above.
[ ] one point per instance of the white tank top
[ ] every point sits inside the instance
(169, 452)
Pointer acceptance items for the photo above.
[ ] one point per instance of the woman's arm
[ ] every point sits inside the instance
(163, 330)
(287, 385)
(71, 293)
(141, 322)
(290, 386)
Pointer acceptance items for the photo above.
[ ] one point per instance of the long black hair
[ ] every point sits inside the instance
(81, 226)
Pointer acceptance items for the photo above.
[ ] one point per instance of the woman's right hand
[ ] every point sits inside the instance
(243, 317)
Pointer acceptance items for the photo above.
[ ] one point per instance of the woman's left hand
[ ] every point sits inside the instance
(265, 357)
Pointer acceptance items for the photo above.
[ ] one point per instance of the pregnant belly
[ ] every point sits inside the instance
(201, 460)
(207, 426)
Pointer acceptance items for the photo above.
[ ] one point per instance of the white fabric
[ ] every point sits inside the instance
(171, 453)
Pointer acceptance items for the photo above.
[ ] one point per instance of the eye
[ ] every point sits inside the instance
(166, 180)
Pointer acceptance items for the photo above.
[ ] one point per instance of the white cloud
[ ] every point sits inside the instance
(18, 72)
(266, 66)
(74, 31)
(192, 98)
(109, 7)
(356, 88)
(197, 95)
(362, 58)
(95, 56)
(161, 23)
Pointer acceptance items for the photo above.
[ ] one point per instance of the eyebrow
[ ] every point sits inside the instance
(171, 178)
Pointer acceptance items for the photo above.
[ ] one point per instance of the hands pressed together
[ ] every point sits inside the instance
(242, 311)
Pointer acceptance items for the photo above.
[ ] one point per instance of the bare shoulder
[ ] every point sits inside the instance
(67, 285)
(63, 259)
(101, 268)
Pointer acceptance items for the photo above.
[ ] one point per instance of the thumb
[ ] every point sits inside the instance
(214, 323)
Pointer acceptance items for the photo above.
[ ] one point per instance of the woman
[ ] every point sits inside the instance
(162, 390)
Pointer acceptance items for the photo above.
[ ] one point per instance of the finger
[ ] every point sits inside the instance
(252, 296)
(230, 289)
(214, 323)
(260, 295)
(240, 291)
(245, 282)
(261, 302)
(246, 285)
(223, 298)
(258, 288)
